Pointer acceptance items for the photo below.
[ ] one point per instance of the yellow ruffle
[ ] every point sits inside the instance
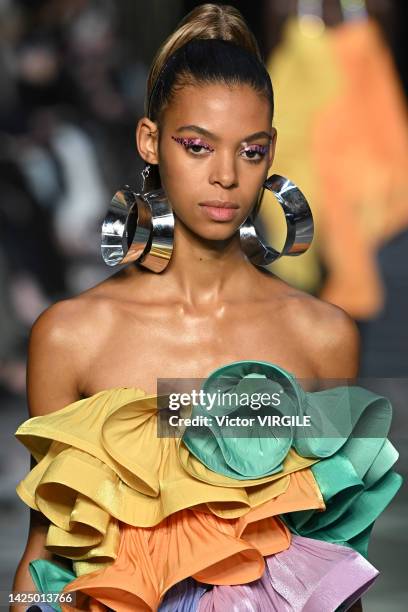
(100, 461)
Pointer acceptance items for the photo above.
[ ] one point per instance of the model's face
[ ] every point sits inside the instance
(214, 148)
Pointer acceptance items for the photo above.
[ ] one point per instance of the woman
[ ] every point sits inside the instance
(98, 355)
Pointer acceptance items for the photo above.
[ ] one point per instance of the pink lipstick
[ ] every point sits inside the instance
(219, 210)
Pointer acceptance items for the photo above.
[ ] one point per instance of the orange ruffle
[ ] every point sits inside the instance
(193, 542)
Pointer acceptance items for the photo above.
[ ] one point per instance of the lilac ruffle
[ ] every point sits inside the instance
(183, 596)
(310, 576)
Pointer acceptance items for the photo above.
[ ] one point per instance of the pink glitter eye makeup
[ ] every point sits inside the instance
(252, 153)
(193, 144)
(256, 152)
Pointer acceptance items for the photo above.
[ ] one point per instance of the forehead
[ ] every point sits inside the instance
(226, 110)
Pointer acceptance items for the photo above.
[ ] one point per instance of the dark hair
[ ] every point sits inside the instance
(212, 44)
(205, 61)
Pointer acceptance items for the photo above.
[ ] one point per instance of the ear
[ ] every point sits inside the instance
(273, 146)
(147, 140)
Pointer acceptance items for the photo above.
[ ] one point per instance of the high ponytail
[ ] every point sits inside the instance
(212, 43)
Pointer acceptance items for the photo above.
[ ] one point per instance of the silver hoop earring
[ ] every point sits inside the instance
(299, 224)
(138, 227)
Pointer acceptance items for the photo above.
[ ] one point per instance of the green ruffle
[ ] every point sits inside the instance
(354, 500)
(348, 433)
(49, 577)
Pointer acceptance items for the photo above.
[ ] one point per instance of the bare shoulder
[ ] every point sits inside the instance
(328, 334)
(62, 343)
(65, 322)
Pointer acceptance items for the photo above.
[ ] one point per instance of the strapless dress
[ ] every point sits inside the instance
(264, 517)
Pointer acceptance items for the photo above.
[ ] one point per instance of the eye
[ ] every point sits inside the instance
(195, 145)
(254, 152)
(197, 148)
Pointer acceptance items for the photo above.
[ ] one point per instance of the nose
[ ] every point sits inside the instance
(224, 170)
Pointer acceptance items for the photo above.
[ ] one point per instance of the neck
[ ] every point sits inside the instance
(204, 272)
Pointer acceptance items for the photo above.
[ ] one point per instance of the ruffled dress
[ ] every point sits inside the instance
(223, 517)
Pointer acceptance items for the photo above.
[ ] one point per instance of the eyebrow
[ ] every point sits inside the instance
(204, 132)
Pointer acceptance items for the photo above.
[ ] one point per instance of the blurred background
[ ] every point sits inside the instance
(72, 83)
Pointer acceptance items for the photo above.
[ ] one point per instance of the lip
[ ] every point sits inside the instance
(219, 204)
(219, 210)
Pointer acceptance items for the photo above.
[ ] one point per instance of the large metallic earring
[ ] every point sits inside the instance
(299, 223)
(138, 227)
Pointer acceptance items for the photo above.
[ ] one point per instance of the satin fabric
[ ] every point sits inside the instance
(310, 576)
(49, 577)
(138, 514)
(184, 596)
(100, 462)
(348, 434)
(193, 543)
(355, 498)
(335, 415)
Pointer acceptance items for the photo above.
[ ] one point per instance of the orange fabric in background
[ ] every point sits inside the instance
(361, 150)
(194, 543)
(343, 138)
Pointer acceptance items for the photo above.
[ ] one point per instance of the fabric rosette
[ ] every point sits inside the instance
(347, 434)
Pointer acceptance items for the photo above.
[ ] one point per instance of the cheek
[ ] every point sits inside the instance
(251, 181)
(178, 185)
(182, 178)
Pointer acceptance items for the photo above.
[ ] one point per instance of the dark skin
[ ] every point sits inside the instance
(210, 306)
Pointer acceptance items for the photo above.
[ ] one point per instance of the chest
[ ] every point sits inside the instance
(173, 344)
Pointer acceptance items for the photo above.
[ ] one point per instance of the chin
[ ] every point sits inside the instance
(217, 232)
